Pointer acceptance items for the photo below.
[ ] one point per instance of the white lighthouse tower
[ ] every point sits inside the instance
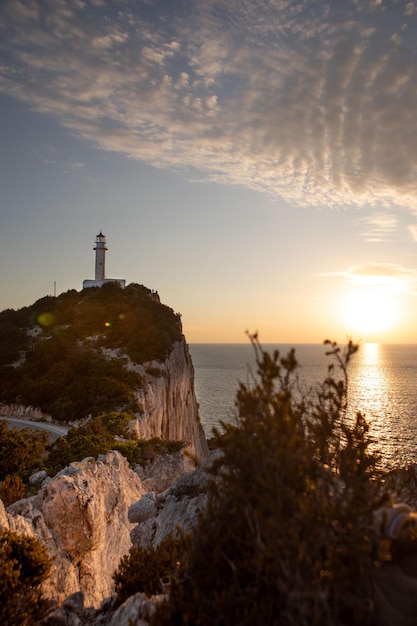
(100, 275)
(100, 250)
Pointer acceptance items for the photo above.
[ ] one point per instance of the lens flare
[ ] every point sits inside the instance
(46, 319)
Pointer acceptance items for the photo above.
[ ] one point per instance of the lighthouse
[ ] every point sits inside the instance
(100, 274)
(100, 250)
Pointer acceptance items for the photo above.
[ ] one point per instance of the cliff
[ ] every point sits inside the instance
(168, 405)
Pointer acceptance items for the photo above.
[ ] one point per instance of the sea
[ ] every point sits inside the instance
(382, 386)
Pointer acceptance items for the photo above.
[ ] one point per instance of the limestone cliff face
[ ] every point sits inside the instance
(81, 515)
(168, 401)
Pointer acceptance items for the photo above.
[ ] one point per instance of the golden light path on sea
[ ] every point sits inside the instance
(381, 391)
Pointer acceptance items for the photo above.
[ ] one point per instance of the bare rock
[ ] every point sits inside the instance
(69, 614)
(60, 617)
(143, 509)
(82, 518)
(81, 515)
(37, 478)
(86, 514)
(169, 404)
(137, 610)
(165, 470)
(177, 507)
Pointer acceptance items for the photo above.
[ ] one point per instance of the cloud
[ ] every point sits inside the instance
(392, 277)
(311, 101)
(379, 226)
(413, 231)
(74, 167)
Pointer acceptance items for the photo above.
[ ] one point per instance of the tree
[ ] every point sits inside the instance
(287, 535)
(21, 451)
(146, 569)
(24, 565)
(12, 489)
(89, 439)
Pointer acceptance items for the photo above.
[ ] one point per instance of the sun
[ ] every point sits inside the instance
(370, 311)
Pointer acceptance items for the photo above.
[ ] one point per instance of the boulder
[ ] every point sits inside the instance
(137, 610)
(81, 516)
(69, 614)
(177, 507)
(37, 478)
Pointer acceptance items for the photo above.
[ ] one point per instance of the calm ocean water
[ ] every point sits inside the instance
(382, 386)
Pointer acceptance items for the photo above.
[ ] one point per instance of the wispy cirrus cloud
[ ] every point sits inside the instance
(413, 231)
(379, 226)
(389, 276)
(308, 100)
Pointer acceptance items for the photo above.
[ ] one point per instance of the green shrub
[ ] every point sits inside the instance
(12, 489)
(287, 535)
(89, 439)
(98, 435)
(24, 565)
(147, 569)
(21, 451)
(117, 423)
(142, 451)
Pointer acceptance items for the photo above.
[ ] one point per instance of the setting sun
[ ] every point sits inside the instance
(371, 311)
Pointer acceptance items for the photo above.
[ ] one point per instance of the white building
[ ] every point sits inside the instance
(100, 277)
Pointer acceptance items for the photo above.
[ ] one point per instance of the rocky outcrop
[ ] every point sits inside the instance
(70, 613)
(20, 411)
(164, 470)
(169, 406)
(159, 515)
(138, 610)
(81, 515)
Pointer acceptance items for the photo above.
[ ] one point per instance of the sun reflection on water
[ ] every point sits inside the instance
(369, 388)
(370, 381)
(382, 386)
(378, 392)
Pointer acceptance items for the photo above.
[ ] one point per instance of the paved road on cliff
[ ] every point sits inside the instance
(56, 431)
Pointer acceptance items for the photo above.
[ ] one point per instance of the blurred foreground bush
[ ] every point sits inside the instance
(287, 535)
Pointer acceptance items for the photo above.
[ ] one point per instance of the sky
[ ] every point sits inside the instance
(253, 161)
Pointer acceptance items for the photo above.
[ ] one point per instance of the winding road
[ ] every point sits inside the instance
(55, 430)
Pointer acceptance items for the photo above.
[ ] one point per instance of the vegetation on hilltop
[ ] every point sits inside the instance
(52, 354)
